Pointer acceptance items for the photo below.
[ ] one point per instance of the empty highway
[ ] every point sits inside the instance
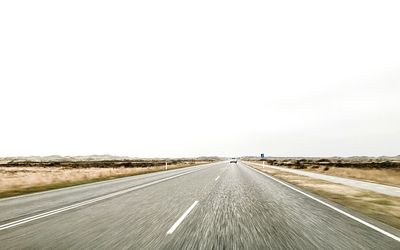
(213, 206)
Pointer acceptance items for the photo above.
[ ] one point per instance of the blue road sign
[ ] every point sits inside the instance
(262, 155)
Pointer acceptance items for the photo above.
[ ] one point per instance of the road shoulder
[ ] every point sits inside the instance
(380, 207)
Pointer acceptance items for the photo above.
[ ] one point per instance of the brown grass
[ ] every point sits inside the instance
(381, 207)
(388, 176)
(22, 180)
(382, 176)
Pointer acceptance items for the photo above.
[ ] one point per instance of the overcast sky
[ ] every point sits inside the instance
(190, 78)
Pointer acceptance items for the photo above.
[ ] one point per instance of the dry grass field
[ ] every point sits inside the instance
(378, 206)
(382, 176)
(383, 170)
(24, 179)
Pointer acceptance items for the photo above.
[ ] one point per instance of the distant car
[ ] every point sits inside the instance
(233, 161)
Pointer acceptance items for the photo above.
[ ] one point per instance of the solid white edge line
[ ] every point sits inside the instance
(216, 179)
(179, 221)
(80, 204)
(394, 237)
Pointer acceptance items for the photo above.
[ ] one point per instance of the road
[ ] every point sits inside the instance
(213, 206)
(379, 188)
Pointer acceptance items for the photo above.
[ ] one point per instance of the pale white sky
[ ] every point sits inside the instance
(190, 78)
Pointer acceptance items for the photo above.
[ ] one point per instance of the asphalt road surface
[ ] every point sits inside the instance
(213, 206)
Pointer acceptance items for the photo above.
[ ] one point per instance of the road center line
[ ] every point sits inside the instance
(179, 221)
(394, 237)
(216, 179)
(83, 203)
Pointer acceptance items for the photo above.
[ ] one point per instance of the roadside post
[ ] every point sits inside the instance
(262, 157)
(166, 165)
